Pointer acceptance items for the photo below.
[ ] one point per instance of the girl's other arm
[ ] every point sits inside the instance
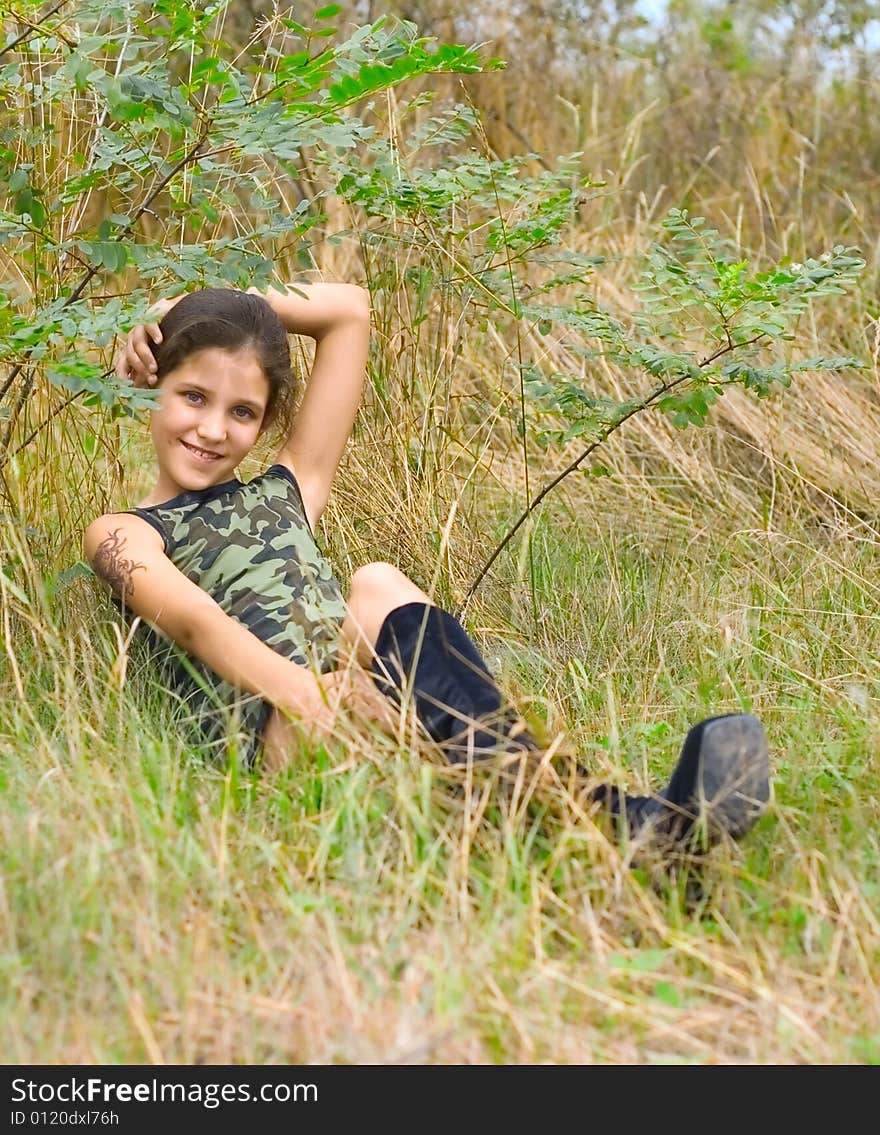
(337, 317)
(128, 555)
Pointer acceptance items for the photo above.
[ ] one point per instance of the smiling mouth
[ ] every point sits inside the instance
(201, 454)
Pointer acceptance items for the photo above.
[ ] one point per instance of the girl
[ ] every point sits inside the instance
(244, 614)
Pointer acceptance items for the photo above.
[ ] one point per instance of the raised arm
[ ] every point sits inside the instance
(127, 553)
(337, 317)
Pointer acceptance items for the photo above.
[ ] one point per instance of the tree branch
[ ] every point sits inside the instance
(34, 27)
(664, 388)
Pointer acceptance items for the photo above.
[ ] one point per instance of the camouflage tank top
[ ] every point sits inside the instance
(249, 546)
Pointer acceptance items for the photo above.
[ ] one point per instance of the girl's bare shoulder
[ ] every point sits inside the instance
(128, 554)
(117, 539)
(126, 523)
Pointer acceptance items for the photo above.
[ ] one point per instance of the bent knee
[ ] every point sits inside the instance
(381, 579)
(377, 577)
(376, 590)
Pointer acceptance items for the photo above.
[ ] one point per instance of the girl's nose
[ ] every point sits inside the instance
(212, 427)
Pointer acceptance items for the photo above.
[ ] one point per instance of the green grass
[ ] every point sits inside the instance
(358, 907)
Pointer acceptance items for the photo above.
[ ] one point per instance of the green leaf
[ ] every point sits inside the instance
(666, 992)
(18, 180)
(26, 202)
(842, 362)
(110, 254)
(691, 407)
(79, 570)
(644, 961)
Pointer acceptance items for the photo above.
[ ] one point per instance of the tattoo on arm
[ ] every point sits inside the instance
(112, 566)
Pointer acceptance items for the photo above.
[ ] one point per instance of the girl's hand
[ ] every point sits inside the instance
(353, 690)
(135, 361)
(348, 692)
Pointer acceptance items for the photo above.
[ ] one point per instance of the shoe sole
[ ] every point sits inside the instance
(734, 775)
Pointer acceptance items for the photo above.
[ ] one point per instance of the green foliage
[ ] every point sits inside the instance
(134, 157)
(706, 323)
(163, 158)
(489, 212)
(496, 237)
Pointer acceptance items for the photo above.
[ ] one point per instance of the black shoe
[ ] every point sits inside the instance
(720, 788)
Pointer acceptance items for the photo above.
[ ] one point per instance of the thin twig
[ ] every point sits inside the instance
(48, 421)
(12, 376)
(186, 160)
(35, 27)
(520, 369)
(16, 409)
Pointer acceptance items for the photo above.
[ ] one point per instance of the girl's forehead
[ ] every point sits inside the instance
(214, 365)
(240, 357)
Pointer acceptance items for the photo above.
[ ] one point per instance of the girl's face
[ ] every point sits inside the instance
(210, 415)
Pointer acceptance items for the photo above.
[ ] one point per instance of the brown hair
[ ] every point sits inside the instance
(232, 321)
